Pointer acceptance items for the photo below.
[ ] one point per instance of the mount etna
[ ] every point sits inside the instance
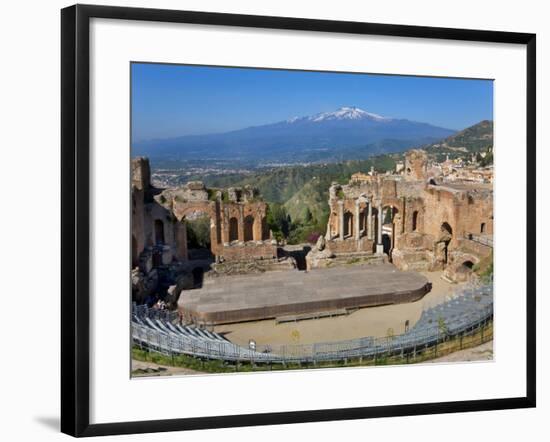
(348, 132)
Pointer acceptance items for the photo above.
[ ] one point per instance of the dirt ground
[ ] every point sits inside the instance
(373, 321)
(146, 369)
(483, 352)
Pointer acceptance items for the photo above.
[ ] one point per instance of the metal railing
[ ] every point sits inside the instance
(467, 311)
(484, 240)
(143, 311)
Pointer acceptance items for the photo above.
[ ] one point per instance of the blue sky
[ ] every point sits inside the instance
(174, 100)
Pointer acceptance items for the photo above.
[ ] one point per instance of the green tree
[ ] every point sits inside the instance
(442, 325)
(198, 232)
(277, 219)
(488, 160)
(308, 216)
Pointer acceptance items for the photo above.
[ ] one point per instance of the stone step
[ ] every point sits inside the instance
(447, 279)
(313, 315)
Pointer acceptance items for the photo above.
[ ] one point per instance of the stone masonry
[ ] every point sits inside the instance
(238, 226)
(418, 223)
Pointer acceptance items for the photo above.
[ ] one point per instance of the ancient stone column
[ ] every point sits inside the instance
(341, 219)
(181, 240)
(380, 221)
(328, 235)
(241, 223)
(225, 227)
(369, 221)
(357, 220)
(403, 215)
(379, 246)
(257, 228)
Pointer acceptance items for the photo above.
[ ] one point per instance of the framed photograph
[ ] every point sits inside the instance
(272, 220)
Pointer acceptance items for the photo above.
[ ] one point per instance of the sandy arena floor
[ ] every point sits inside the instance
(373, 321)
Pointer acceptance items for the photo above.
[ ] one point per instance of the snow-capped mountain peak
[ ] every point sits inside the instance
(347, 113)
(344, 113)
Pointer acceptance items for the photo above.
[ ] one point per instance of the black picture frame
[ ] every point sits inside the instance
(75, 212)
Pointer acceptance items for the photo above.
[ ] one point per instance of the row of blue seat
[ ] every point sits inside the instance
(467, 310)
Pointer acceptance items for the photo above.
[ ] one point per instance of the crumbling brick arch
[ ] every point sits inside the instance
(415, 224)
(463, 271)
(363, 220)
(387, 243)
(467, 264)
(233, 229)
(184, 210)
(188, 211)
(446, 229)
(467, 260)
(388, 214)
(446, 235)
(462, 268)
(200, 235)
(249, 228)
(348, 224)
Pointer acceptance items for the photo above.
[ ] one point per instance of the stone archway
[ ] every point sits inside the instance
(198, 225)
(462, 269)
(249, 228)
(467, 265)
(446, 228)
(414, 226)
(388, 214)
(445, 238)
(233, 229)
(348, 224)
(363, 221)
(390, 219)
(387, 243)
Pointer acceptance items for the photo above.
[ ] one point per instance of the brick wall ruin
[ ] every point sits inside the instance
(238, 225)
(417, 223)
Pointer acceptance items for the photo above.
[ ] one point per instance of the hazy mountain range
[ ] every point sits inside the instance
(347, 133)
(302, 190)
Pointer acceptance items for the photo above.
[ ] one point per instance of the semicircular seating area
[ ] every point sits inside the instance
(467, 309)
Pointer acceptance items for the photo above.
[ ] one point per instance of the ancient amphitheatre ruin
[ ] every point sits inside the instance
(383, 230)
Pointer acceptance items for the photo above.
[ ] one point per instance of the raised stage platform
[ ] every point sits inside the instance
(274, 294)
